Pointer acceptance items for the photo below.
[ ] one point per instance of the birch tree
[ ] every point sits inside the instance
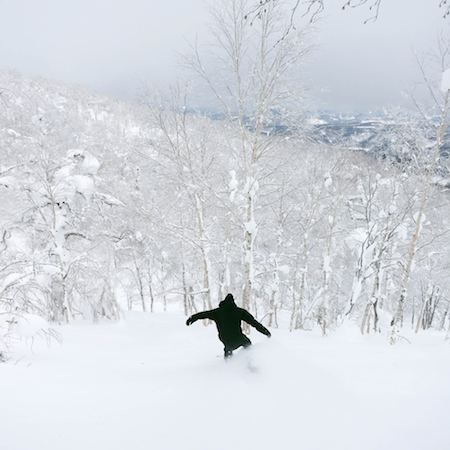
(249, 76)
(439, 92)
(188, 154)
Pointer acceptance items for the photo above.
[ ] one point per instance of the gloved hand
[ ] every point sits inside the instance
(189, 321)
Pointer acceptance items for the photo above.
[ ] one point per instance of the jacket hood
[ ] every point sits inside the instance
(228, 303)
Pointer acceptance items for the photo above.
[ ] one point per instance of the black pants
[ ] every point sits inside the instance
(228, 350)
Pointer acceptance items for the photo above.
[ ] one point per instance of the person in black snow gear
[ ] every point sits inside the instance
(228, 319)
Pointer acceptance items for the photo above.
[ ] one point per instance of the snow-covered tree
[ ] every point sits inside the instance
(250, 72)
(439, 91)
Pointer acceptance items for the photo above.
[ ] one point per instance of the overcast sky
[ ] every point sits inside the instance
(109, 45)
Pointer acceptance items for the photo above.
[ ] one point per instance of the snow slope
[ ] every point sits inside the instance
(150, 382)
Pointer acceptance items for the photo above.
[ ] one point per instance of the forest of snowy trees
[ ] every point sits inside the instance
(107, 205)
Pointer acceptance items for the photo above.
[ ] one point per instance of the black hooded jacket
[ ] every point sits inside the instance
(228, 319)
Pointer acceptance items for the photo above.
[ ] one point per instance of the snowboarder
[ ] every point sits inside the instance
(228, 321)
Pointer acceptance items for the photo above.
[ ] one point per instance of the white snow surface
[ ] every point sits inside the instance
(150, 382)
(29, 325)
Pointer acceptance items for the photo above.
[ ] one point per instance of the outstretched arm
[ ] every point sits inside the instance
(200, 315)
(247, 317)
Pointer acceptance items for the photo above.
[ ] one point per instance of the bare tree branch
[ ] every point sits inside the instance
(313, 8)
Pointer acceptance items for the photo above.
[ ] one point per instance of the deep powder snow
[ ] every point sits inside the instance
(150, 382)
